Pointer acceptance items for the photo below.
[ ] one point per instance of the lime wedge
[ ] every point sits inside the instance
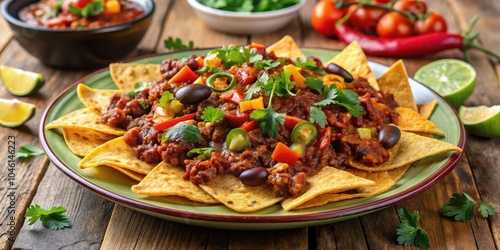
(20, 82)
(15, 113)
(451, 78)
(481, 120)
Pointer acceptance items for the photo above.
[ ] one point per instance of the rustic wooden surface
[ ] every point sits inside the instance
(100, 224)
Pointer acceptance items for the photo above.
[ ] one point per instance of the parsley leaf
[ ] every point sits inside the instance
(138, 87)
(461, 207)
(93, 8)
(27, 150)
(212, 115)
(259, 63)
(269, 119)
(177, 44)
(234, 55)
(203, 153)
(165, 99)
(317, 116)
(310, 65)
(182, 131)
(53, 218)
(283, 84)
(409, 231)
(315, 83)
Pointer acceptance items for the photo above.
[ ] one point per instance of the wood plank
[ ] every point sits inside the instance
(150, 40)
(6, 33)
(89, 215)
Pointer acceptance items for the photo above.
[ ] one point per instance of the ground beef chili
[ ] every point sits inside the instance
(336, 144)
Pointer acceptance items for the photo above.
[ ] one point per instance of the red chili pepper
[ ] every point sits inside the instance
(282, 153)
(410, 46)
(167, 124)
(325, 138)
(233, 95)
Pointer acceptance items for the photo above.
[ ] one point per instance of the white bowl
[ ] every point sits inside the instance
(246, 23)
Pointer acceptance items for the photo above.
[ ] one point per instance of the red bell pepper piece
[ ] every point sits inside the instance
(184, 75)
(291, 121)
(282, 153)
(233, 95)
(167, 124)
(237, 118)
(324, 138)
(250, 125)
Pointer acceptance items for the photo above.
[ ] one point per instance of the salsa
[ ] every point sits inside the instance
(255, 116)
(80, 14)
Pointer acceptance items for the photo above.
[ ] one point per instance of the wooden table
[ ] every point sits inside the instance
(99, 223)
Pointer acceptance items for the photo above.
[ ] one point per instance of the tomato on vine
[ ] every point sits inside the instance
(324, 16)
(394, 24)
(365, 18)
(433, 22)
(417, 7)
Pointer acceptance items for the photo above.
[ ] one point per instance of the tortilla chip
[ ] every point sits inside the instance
(395, 81)
(134, 175)
(427, 109)
(286, 47)
(95, 99)
(327, 180)
(115, 153)
(125, 75)
(82, 141)
(412, 121)
(229, 190)
(167, 180)
(397, 173)
(412, 147)
(84, 119)
(354, 60)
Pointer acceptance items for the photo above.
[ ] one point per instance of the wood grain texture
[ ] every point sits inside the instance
(6, 33)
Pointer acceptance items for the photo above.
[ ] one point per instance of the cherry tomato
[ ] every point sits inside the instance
(417, 7)
(434, 22)
(365, 18)
(394, 24)
(324, 16)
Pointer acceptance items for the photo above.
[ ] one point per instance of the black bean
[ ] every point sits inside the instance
(254, 176)
(389, 136)
(193, 93)
(337, 70)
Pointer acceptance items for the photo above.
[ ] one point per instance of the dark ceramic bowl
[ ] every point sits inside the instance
(86, 48)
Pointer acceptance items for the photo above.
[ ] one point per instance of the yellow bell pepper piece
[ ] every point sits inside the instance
(296, 76)
(257, 103)
(112, 7)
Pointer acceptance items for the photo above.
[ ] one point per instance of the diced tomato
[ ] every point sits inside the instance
(282, 153)
(169, 123)
(261, 48)
(250, 125)
(184, 75)
(324, 138)
(291, 121)
(232, 95)
(237, 118)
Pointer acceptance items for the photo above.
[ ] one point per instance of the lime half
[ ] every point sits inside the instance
(20, 82)
(481, 120)
(451, 78)
(15, 113)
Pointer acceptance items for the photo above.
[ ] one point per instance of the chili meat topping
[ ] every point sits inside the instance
(257, 113)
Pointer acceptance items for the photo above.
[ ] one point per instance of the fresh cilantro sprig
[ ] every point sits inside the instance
(93, 8)
(202, 153)
(177, 44)
(54, 218)
(182, 132)
(259, 62)
(310, 65)
(138, 87)
(27, 150)
(461, 207)
(165, 99)
(409, 231)
(212, 115)
(269, 119)
(257, 86)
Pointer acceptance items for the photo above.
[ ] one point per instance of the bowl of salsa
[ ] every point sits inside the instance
(78, 33)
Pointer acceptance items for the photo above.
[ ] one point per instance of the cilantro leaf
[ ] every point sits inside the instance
(461, 207)
(329, 94)
(182, 131)
(233, 55)
(212, 115)
(315, 83)
(283, 84)
(54, 218)
(27, 150)
(310, 65)
(177, 44)
(259, 63)
(269, 119)
(317, 116)
(349, 100)
(409, 231)
(257, 86)
(138, 87)
(93, 8)
(203, 153)
(165, 99)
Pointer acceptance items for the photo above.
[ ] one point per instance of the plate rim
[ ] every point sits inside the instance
(372, 206)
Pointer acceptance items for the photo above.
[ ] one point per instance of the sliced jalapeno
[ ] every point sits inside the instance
(211, 80)
(237, 139)
(304, 133)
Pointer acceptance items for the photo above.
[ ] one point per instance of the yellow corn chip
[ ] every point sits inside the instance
(84, 119)
(167, 180)
(427, 109)
(327, 180)
(286, 47)
(353, 59)
(115, 153)
(134, 175)
(395, 81)
(412, 121)
(125, 75)
(82, 141)
(95, 99)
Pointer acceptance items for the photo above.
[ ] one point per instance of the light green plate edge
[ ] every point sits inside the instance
(112, 181)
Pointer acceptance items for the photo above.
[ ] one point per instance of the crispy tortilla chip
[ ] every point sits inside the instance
(354, 60)
(412, 147)
(229, 190)
(95, 99)
(397, 173)
(286, 47)
(327, 180)
(134, 175)
(84, 119)
(427, 109)
(412, 121)
(82, 141)
(115, 153)
(167, 180)
(395, 81)
(125, 75)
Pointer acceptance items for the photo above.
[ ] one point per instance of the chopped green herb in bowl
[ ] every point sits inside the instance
(249, 5)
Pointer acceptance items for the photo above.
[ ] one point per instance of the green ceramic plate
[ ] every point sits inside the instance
(114, 186)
